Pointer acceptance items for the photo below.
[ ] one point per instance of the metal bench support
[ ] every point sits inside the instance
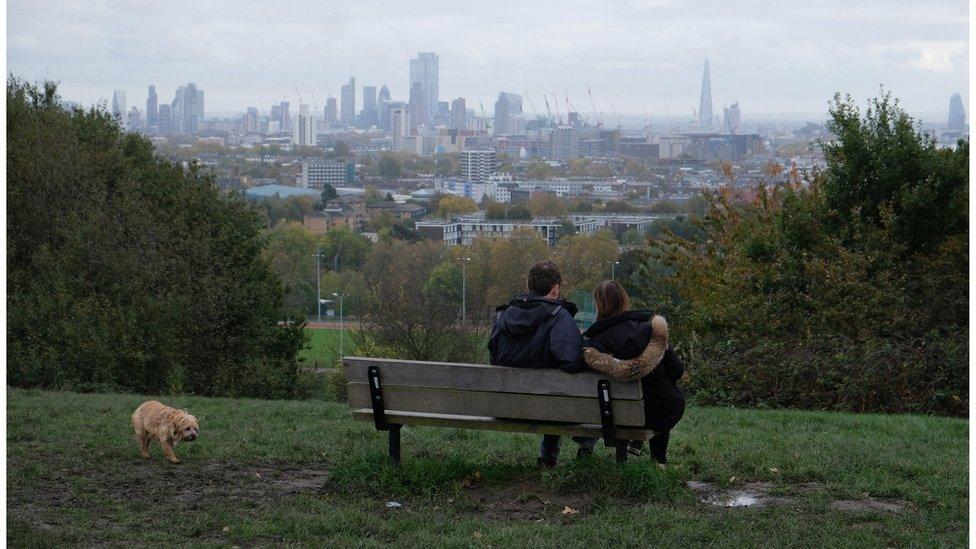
(379, 413)
(606, 419)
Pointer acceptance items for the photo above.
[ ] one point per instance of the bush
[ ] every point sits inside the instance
(127, 271)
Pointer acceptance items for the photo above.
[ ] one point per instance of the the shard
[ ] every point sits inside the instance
(957, 114)
(705, 105)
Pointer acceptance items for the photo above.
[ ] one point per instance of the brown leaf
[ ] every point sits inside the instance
(570, 511)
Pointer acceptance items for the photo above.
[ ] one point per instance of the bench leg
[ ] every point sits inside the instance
(622, 451)
(395, 443)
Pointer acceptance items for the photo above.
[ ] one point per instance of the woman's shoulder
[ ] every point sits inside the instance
(622, 322)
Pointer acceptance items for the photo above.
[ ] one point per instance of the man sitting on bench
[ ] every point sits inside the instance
(536, 330)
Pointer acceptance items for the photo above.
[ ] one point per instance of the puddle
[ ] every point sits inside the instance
(757, 494)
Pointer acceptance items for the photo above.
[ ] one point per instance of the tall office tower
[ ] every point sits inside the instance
(135, 119)
(370, 116)
(164, 122)
(250, 120)
(118, 107)
(187, 109)
(477, 164)
(705, 105)
(458, 114)
(507, 107)
(417, 113)
(348, 97)
(563, 144)
(957, 114)
(331, 112)
(443, 116)
(281, 114)
(152, 108)
(383, 108)
(424, 71)
(304, 134)
(733, 118)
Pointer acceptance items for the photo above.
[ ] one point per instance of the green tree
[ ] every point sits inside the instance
(518, 212)
(342, 248)
(328, 193)
(143, 277)
(547, 205)
(389, 167)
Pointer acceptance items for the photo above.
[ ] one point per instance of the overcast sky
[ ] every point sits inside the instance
(773, 57)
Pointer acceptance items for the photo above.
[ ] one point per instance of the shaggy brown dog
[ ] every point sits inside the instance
(155, 421)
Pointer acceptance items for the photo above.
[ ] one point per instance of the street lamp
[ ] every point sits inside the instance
(341, 323)
(464, 288)
(613, 270)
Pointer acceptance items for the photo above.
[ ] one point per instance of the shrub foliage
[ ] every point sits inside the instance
(126, 271)
(848, 293)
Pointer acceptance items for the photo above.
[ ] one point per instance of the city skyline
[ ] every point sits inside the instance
(636, 57)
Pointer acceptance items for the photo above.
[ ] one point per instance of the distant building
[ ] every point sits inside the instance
(383, 108)
(187, 109)
(733, 118)
(705, 103)
(957, 114)
(319, 173)
(249, 122)
(563, 144)
(673, 146)
(400, 127)
(152, 110)
(400, 212)
(322, 221)
(425, 70)
(507, 109)
(118, 107)
(331, 112)
(477, 164)
(164, 120)
(135, 119)
(465, 229)
(458, 114)
(265, 192)
(304, 133)
(418, 116)
(348, 98)
(639, 148)
(370, 115)
(281, 114)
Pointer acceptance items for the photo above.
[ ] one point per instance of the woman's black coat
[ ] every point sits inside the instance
(625, 336)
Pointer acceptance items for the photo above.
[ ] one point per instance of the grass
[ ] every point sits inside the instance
(302, 472)
(323, 346)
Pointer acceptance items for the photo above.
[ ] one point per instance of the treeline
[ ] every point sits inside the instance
(127, 272)
(850, 293)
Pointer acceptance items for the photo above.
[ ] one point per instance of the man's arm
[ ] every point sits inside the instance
(566, 343)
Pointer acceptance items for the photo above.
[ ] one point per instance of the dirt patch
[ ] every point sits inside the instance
(526, 500)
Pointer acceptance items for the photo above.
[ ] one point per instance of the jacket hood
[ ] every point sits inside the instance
(605, 324)
(526, 312)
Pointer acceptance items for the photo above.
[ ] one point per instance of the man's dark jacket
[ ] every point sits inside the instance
(535, 332)
(624, 336)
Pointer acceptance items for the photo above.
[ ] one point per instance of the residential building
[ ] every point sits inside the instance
(673, 146)
(563, 144)
(249, 122)
(331, 112)
(477, 164)
(400, 212)
(319, 173)
(458, 114)
(322, 221)
(733, 118)
(304, 133)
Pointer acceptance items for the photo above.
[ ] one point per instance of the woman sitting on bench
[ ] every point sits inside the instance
(638, 343)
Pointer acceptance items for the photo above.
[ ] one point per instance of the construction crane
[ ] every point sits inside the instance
(484, 116)
(548, 110)
(556, 104)
(670, 123)
(597, 116)
(531, 106)
(570, 107)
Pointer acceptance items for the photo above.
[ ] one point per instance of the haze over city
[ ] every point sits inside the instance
(638, 57)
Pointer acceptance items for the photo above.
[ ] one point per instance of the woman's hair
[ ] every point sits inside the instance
(611, 299)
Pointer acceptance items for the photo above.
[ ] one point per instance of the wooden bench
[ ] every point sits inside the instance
(393, 393)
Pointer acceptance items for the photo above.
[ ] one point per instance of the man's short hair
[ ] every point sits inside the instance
(542, 277)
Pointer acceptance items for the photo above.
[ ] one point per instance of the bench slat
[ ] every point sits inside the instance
(494, 424)
(480, 377)
(500, 405)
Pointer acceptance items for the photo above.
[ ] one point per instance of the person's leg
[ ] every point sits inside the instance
(636, 447)
(659, 446)
(549, 450)
(586, 445)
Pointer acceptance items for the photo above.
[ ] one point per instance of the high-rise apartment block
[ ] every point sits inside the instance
(477, 164)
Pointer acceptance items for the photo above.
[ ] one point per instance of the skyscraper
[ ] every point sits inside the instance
(383, 108)
(563, 144)
(733, 117)
(458, 114)
(152, 108)
(348, 97)
(164, 121)
(425, 71)
(370, 116)
(957, 114)
(331, 112)
(417, 112)
(187, 111)
(250, 120)
(508, 106)
(477, 164)
(118, 107)
(705, 104)
(304, 134)
(135, 119)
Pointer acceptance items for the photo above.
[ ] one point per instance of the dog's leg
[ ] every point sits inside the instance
(168, 451)
(143, 444)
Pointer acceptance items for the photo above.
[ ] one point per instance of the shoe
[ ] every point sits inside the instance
(545, 463)
(584, 452)
(635, 448)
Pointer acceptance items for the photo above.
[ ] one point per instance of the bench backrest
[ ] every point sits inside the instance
(492, 391)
